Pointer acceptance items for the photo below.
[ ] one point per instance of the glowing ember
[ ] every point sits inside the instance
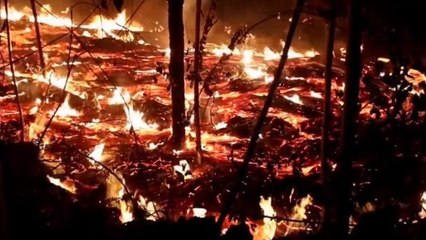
(316, 95)
(415, 77)
(422, 213)
(135, 119)
(67, 185)
(119, 96)
(267, 230)
(295, 98)
(220, 125)
(97, 152)
(183, 169)
(199, 212)
(66, 111)
(382, 59)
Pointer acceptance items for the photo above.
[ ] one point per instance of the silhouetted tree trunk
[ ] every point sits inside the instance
(350, 115)
(176, 69)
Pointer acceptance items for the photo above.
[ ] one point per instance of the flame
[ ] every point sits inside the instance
(135, 119)
(316, 95)
(150, 208)
(269, 78)
(183, 169)
(422, 213)
(119, 96)
(247, 57)
(65, 110)
(115, 190)
(254, 73)
(35, 108)
(224, 50)
(295, 98)
(199, 212)
(267, 230)
(97, 152)
(67, 185)
(299, 213)
(106, 27)
(269, 55)
(220, 125)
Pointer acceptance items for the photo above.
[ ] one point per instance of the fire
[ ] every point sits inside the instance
(35, 108)
(66, 111)
(135, 119)
(247, 57)
(150, 208)
(125, 210)
(267, 230)
(97, 152)
(119, 96)
(183, 169)
(220, 125)
(199, 212)
(299, 213)
(115, 190)
(269, 55)
(105, 27)
(422, 213)
(67, 185)
(316, 95)
(224, 50)
(254, 73)
(295, 98)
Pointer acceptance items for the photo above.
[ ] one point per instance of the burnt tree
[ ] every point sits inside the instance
(176, 70)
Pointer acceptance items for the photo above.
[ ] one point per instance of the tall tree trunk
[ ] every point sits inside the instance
(325, 144)
(177, 71)
(350, 114)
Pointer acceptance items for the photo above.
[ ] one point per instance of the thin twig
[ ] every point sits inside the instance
(12, 69)
(197, 69)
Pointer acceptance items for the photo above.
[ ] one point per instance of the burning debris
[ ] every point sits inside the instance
(115, 96)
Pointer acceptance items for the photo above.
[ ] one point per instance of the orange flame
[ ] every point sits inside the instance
(267, 230)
